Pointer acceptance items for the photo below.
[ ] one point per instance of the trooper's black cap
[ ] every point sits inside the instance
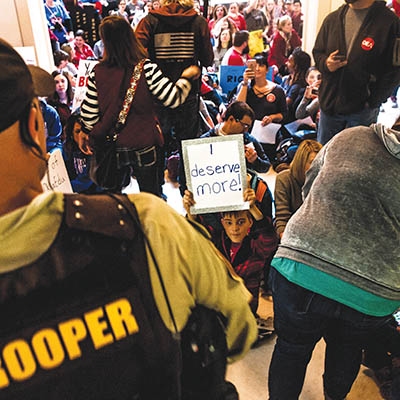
(19, 84)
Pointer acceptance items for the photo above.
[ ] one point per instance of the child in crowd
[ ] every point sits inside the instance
(76, 162)
(248, 246)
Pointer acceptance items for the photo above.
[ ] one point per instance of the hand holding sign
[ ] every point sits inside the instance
(215, 171)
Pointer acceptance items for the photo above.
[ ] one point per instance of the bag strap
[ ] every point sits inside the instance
(129, 96)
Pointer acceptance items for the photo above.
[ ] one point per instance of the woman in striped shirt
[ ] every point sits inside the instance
(140, 141)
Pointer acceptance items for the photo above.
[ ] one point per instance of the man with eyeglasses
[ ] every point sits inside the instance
(238, 119)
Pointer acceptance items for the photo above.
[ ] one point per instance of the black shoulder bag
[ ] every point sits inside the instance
(104, 167)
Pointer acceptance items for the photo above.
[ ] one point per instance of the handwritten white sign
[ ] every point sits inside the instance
(215, 170)
(56, 178)
(84, 69)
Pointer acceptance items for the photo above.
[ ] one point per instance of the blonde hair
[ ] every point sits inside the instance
(282, 21)
(183, 3)
(300, 159)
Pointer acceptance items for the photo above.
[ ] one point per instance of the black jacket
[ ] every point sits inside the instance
(82, 318)
(175, 38)
(373, 69)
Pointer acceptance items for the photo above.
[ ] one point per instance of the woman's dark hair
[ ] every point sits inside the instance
(70, 145)
(80, 33)
(121, 47)
(262, 58)
(302, 62)
(54, 97)
(24, 133)
(238, 109)
(240, 37)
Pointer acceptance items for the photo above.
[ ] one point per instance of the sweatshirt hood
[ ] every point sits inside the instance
(390, 139)
(175, 14)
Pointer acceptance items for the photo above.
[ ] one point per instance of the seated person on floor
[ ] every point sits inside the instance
(247, 240)
(238, 119)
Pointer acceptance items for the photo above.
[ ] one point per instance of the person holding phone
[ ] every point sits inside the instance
(357, 52)
(309, 105)
(266, 98)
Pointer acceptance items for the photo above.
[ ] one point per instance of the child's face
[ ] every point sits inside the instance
(237, 225)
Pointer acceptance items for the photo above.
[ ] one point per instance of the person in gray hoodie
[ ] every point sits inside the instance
(336, 273)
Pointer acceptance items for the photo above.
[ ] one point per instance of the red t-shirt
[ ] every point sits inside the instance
(233, 57)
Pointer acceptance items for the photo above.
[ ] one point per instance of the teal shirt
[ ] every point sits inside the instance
(334, 288)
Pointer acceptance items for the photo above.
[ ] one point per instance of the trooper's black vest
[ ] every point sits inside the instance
(81, 321)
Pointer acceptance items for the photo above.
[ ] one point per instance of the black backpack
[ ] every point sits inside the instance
(288, 146)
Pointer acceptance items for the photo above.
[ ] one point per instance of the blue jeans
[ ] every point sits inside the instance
(301, 319)
(330, 125)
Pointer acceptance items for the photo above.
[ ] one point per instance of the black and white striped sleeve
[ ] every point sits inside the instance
(90, 113)
(170, 94)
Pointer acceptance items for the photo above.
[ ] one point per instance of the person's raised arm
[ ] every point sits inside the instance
(248, 75)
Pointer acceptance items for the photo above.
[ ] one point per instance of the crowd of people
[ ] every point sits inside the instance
(312, 242)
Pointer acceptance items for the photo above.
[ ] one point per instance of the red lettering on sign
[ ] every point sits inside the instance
(83, 81)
